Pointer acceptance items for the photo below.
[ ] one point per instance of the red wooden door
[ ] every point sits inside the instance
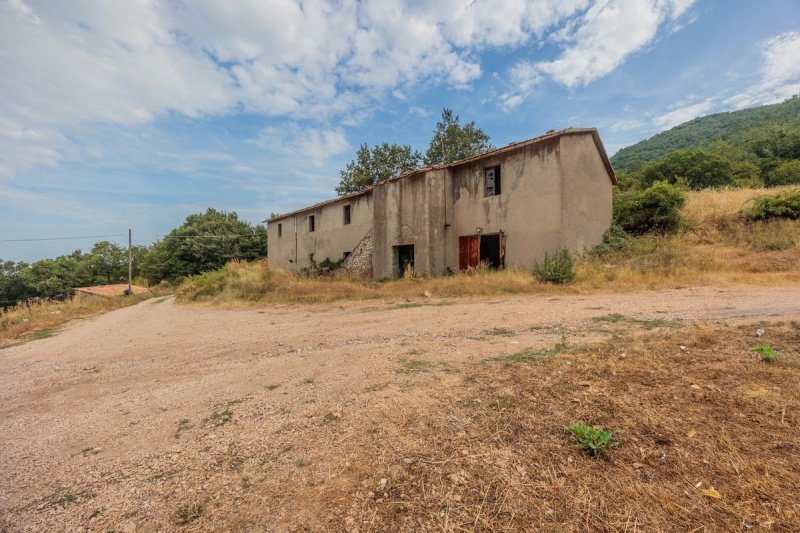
(468, 254)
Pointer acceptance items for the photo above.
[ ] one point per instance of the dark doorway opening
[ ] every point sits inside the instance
(405, 258)
(490, 251)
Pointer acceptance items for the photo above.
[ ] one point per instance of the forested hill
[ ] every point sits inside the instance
(736, 130)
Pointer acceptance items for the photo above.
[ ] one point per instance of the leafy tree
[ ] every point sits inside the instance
(107, 263)
(375, 164)
(451, 141)
(204, 242)
(12, 287)
(700, 168)
(787, 173)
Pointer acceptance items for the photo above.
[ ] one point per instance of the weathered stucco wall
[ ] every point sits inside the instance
(556, 193)
(586, 194)
(330, 239)
(411, 210)
(528, 209)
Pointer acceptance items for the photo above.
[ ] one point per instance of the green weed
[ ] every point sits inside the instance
(767, 353)
(592, 440)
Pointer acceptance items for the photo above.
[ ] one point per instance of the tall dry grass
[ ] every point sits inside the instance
(716, 246)
(37, 319)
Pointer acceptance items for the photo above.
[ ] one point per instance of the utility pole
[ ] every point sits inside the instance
(130, 263)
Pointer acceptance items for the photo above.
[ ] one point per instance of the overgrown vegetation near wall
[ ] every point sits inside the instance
(713, 243)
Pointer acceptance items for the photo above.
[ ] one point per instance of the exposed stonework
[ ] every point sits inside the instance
(359, 262)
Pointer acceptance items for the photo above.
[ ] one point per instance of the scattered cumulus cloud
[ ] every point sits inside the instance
(778, 80)
(75, 64)
(780, 74)
(312, 145)
(595, 43)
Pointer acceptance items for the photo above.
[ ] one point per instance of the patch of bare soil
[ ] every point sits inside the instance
(414, 418)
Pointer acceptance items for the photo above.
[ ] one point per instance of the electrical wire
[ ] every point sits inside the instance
(64, 238)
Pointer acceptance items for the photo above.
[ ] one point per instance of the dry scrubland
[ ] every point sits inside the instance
(446, 416)
(715, 246)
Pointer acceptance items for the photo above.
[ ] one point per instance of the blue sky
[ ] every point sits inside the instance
(138, 113)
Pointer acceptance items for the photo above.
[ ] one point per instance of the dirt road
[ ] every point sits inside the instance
(149, 417)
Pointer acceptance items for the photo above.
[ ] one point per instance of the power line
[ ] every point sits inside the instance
(64, 238)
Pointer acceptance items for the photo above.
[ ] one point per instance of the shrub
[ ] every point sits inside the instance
(787, 173)
(767, 353)
(655, 209)
(782, 205)
(701, 169)
(615, 239)
(559, 268)
(592, 440)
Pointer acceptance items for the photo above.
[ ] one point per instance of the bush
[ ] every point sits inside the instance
(615, 239)
(700, 168)
(559, 268)
(592, 440)
(655, 209)
(787, 173)
(781, 205)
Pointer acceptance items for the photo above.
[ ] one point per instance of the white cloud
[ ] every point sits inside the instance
(780, 74)
(76, 63)
(597, 42)
(682, 113)
(311, 145)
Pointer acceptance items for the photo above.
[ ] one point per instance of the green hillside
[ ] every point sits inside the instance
(765, 136)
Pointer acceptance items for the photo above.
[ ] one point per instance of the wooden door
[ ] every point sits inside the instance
(468, 251)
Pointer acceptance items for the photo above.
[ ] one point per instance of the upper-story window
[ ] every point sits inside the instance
(346, 213)
(280, 230)
(311, 223)
(492, 178)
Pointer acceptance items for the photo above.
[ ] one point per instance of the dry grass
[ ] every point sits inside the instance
(716, 247)
(709, 443)
(39, 319)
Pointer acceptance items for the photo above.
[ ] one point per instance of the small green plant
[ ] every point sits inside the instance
(272, 386)
(559, 268)
(767, 353)
(593, 440)
(183, 424)
(186, 514)
(412, 366)
(220, 418)
(500, 332)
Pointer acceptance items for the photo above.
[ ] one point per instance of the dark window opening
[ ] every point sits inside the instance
(347, 214)
(492, 178)
(405, 258)
(490, 251)
(346, 255)
(280, 230)
(311, 223)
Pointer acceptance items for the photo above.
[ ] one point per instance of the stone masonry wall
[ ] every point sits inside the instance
(359, 262)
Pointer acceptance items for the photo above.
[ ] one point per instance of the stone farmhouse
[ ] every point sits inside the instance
(506, 207)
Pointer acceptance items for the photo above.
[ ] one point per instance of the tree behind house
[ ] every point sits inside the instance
(451, 141)
(375, 164)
